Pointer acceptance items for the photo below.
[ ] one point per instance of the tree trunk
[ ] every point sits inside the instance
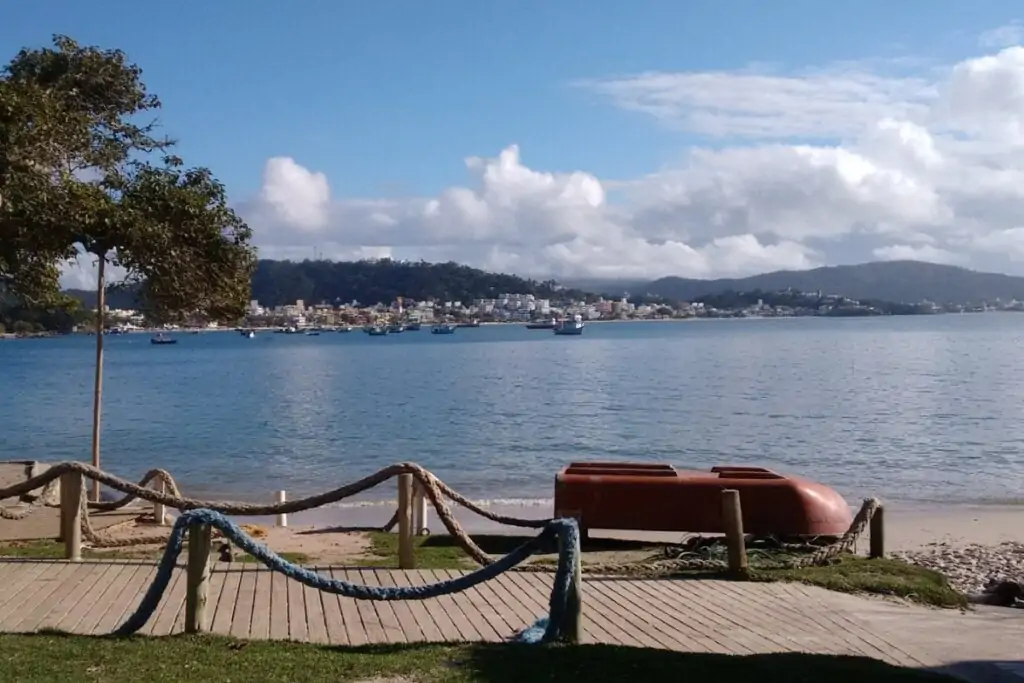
(97, 391)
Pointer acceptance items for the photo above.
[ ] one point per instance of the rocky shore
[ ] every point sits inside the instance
(973, 568)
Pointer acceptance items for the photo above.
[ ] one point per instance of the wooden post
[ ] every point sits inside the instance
(159, 510)
(876, 550)
(574, 610)
(282, 518)
(420, 510)
(72, 488)
(197, 577)
(406, 554)
(732, 521)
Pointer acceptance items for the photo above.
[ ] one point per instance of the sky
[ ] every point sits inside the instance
(590, 139)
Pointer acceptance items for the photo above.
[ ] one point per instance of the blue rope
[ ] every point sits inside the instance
(547, 629)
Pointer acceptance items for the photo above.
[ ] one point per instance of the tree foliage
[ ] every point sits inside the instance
(80, 174)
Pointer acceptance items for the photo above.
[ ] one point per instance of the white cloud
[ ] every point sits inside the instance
(926, 165)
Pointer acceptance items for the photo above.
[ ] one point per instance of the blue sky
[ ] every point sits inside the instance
(388, 97)
(614, 139)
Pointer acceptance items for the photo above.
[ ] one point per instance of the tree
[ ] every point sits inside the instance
(78, 177)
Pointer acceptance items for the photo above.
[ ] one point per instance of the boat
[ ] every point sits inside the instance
(472, 323)
(542, 325)
(395, 328)
(446, 328)
(657, 497)
(248, 334)
(161, 339)
(345, 328)
(312, 333)
(377, 331)
(570, 327)
(412, 327)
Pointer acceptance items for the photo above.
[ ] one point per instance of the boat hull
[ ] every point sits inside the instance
(651, 497)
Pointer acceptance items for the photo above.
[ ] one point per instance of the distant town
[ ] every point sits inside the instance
(527, 308)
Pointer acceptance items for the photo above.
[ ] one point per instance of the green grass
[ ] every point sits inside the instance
(44, 658)
(429, 553)
(854, 574)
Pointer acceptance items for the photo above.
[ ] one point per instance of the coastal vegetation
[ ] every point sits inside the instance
(84, 175)
(46, 657)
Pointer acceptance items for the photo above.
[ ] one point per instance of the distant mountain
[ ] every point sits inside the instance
(896, 281)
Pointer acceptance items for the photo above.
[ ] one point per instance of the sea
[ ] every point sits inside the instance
(919, 410)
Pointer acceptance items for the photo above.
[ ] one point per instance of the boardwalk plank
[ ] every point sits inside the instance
(95, 597)
(241, 623)
(227, 599)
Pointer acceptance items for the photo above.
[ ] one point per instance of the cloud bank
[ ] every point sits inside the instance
(839, 164)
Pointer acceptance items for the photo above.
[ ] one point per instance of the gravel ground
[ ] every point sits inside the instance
(970, 569)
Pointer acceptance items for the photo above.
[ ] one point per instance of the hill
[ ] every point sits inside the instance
(276, 283)
(896, 281)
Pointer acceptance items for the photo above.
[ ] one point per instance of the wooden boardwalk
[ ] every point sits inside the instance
(93, 597)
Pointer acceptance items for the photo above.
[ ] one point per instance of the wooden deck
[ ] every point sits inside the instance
(93, 597)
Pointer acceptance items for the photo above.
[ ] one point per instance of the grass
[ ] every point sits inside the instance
(855, 574)
(429, 553)
(47, 657)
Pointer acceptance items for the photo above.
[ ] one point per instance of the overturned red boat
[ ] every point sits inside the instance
(657, 497)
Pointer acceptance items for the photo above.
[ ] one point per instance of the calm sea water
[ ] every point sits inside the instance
(912, 409)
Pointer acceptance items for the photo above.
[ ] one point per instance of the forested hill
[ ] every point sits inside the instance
(277, 283)
(369, 282)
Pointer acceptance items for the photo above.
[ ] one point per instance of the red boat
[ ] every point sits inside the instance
(649, 497)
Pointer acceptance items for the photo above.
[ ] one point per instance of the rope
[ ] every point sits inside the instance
(544, 630)
(430, 485)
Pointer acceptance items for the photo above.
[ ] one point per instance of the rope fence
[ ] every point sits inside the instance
(62, 485)
(564, 608)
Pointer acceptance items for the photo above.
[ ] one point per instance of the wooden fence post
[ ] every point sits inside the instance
(732, 521)
(72, 488)
(282, 518)
(420, 510)
(876, 549)
(159, 510)
(406, 553)
(574, 608)
(197, 577)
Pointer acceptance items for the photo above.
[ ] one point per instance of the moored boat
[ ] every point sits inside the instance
(445, 328)
(160, 339)
(572, 327)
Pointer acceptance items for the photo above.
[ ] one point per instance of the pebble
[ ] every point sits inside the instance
(974, 568)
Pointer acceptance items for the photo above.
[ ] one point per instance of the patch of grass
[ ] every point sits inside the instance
(47, 657)
(855, 574)
(384, 553)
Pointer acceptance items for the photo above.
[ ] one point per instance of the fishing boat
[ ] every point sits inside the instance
(377, 331)
(446, 328)
(248, 334)
(471, 323)
(542, 325)
(344, 328)
(312, 333)
(396, 328)
(572, 327)
(412, 327)
(161, 339)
